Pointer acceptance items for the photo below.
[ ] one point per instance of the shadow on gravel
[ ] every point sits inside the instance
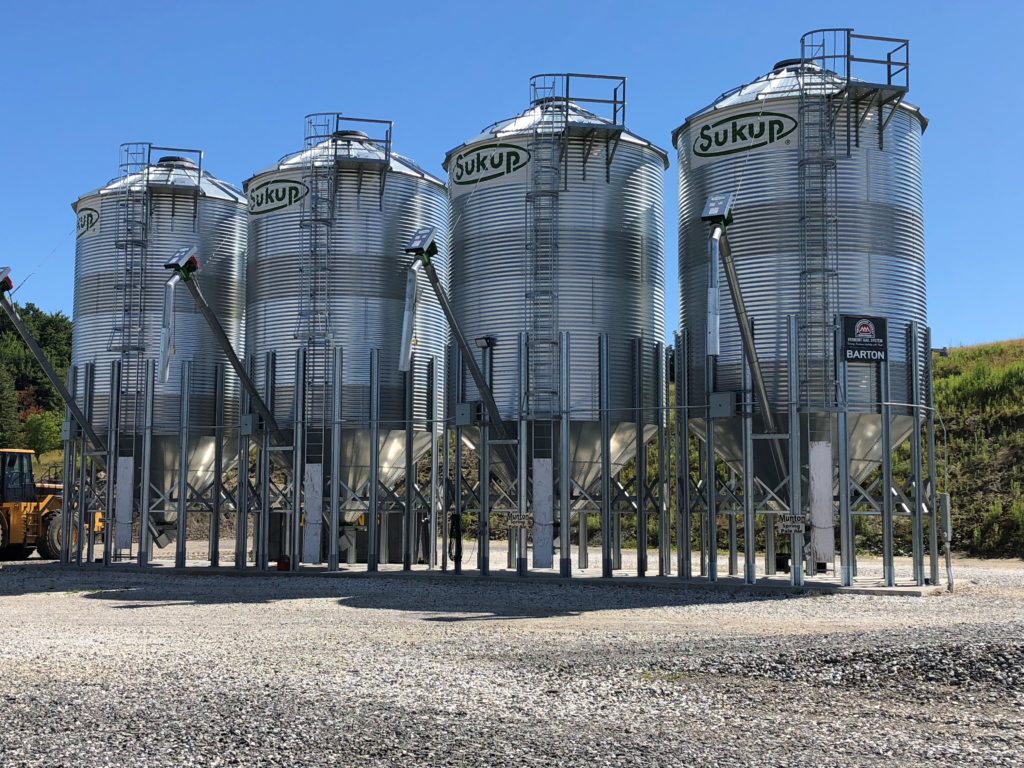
(437, 598)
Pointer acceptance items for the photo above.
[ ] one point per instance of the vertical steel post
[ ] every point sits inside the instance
(113, 451)
(709, 546)
(483, 520)
(338, 379)
(85, 517)
(145, 484)
(564, 459)
(186, 394)
(684, 521)
(796, 540)
(457, 474)
(604, 399)
(372, 531)
(641, 457)
(917, 521)
(245, 421)
(409, 518)
(523, 454)
(733, 544)
(294, 547)
(449, 367)
(218, 464)
(887, 547)
(749, 519)
(67, 508)
(432, 411)
(933, 495)
(847, 540)
(661, 414)
(262, 544)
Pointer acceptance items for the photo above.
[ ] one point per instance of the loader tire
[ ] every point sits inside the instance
(49, 545)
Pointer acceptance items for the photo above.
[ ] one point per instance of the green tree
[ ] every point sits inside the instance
(10, 424)
(42, 432)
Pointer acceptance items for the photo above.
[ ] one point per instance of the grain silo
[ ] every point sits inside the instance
(127, 230)
(822, 159)
(557, 227)
(327, 227)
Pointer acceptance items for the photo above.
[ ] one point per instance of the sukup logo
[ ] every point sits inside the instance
(739, 133)
(275, 195)
(88, 222)
(487, 161)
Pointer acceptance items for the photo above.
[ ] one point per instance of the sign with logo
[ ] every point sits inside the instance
(740, 133)
(483, 163)
(275, 194)
(518, 518)
(790, 524)
(88, 222)
(865, 339)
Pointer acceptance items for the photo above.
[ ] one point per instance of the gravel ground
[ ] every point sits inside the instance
(129, 669)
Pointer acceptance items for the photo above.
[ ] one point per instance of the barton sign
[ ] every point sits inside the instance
(864, 339)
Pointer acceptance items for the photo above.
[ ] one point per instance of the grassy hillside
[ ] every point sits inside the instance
(980, 395)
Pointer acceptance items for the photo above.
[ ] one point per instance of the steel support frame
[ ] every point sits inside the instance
(372, 529)
(933, 478)
(661, 414)
(180, 541)
(888, 571)
(916, 410)
(749, 518)
(337, 411)
(639, 383)
(145, 552)
(796, 540)
(242, 494)
(684, 522)
(564, 458)
(409, 504)
(847, 532)
(113, 450)
(604, 384)
(522, 452)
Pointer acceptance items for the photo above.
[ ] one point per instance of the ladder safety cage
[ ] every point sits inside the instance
(818, 220)
(556, 92)
(874, 72)
(134, 203)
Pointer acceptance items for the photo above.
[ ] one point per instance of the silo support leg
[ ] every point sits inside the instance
(565, 470)
(372, 530)
(606, 464)
(661, 414)
(218, 466)
(145, 487)
(180, 539)
(114, 428)
(887, 511)
(409, 505)
(641, 465)
(749, 520)
(917, 520)
(334, 523)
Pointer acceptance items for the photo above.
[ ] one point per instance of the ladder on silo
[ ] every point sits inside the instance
(548, 152)
(818, 221)
(130, 240)
(320, 175)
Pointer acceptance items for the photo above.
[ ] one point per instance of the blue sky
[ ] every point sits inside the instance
(235, 79)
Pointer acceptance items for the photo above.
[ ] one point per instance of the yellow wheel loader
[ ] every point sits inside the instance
(30, 512)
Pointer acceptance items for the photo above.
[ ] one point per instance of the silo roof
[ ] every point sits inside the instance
(783, 82)
(351, 146)
(172, 172)
(523, 125)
